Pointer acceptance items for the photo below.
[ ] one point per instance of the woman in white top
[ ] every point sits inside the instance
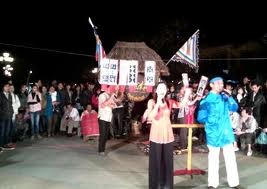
(15, 102)
(73, 120)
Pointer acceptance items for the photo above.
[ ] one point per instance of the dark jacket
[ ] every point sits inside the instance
(68, 97)
(243, 102)
(6, 109)
(23, 98)
(257, 105)
(62, 98)
(246, 89)
(86, 97)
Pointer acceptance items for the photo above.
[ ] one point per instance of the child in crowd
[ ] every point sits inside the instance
(89, 123)
(21, 126)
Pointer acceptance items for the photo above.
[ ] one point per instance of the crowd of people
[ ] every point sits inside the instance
(61, 109)
(66, 110)
(247, 121)
(42, 110)
(219, 109)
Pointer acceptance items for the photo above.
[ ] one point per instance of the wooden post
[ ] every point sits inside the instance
(189, 148)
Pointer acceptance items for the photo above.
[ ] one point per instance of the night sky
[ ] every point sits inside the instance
(65, 28)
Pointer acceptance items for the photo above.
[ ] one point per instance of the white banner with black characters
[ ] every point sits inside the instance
(124, 69)
(150, 73)
(132, 73)
(113, 72)
(108, 71)
(104, 71)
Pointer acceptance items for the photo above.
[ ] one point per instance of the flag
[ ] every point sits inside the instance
(188, 53)
(100, 52)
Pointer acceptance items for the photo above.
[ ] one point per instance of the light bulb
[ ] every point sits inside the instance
(6, 54)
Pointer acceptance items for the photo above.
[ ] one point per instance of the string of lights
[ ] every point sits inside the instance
(93, 56)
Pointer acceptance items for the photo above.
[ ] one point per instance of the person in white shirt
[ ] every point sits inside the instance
(105, 104)
(15, 102)
(73, 120)
(235, 122)
(246, 129)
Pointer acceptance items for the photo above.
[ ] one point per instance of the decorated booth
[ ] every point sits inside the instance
(134, 68)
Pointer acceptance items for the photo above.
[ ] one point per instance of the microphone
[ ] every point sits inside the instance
(226, 92)
(159, 99)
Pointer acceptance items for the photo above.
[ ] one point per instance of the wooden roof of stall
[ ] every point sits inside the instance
(138, 51)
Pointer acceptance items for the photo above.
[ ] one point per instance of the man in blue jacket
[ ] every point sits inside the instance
(214, 114)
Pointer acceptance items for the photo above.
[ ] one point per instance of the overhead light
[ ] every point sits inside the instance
(8, 59)
(11, 59)
(6, 54)
(94, 70)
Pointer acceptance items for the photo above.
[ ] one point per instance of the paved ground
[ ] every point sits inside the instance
(68, 163)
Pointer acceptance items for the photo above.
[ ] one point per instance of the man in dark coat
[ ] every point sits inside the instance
(6, 112)
(257, 101)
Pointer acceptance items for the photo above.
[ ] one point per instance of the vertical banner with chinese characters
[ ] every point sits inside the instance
(108, 72)
(132, 75)
(104, 72)
(150, 75)
(123, 74)
(113, 72)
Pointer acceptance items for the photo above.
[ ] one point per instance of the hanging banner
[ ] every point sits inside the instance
(124, 68)
(113, 72)
(104, 72)
(150, 75)
(132, 75)
(108, 71)
(123, 74)
(132, 72)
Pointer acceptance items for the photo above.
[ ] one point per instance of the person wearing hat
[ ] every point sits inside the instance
(214, 114)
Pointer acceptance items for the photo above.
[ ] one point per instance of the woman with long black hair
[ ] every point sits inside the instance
(161, 140)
